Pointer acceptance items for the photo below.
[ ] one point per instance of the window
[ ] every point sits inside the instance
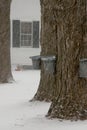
(26, 34)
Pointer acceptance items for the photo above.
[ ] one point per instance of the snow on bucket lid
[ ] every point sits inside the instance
(35, 57)
(48, 58)
(83, 60)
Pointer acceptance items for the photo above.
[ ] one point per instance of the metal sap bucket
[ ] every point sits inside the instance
(83, 68)
(49, 63)
(36, 61)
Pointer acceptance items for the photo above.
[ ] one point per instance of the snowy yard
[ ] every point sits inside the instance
(17, 113)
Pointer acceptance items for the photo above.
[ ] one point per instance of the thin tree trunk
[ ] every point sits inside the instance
(5, 64)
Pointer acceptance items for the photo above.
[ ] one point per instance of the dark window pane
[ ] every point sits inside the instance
(25, 42)
(26, 27)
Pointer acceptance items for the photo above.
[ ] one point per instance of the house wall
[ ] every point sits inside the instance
(28, 10)
(24, 11)
(21, 55)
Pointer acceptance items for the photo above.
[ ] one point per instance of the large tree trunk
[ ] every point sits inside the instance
(71, 102)
(48, 47)
(5, 65)
(64, 31)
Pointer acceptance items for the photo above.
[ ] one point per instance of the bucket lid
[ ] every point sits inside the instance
(45, 58)
(35, 57)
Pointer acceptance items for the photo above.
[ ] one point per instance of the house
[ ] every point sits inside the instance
(25, 31)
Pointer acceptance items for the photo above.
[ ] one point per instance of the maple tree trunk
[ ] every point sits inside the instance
(64, 34)
(48, 47)
(5, 64)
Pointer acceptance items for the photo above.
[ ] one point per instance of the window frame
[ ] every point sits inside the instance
(29, 34)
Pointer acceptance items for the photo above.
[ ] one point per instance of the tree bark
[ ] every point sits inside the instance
(48, 47)
(71, 102)
(5, 64)
(64, 34)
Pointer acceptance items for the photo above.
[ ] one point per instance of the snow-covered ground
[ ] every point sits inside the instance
(17, 113)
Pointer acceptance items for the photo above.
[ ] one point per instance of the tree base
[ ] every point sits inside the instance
(45, 90)
(7, 80)
(69, 109)
(41, 97)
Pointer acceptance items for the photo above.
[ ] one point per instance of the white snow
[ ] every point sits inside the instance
(17, 113)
